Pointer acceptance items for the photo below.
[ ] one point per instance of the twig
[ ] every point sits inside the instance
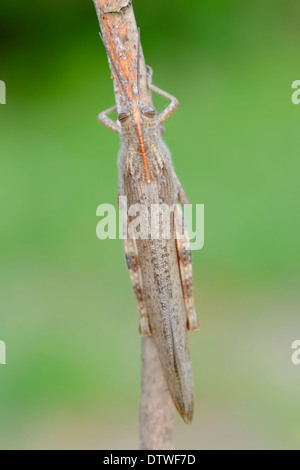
(156, 406)
(120, 35)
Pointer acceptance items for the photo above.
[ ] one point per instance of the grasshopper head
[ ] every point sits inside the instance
(140, 114)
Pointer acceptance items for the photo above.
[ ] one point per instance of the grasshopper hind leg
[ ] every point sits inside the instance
(185, 268)
(132, 260)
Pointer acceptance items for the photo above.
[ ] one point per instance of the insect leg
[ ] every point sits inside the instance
(185, 268)
(171, 107)
(132, 259)
(106, 121)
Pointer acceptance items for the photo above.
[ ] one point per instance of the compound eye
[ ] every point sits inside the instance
(124, 115)
(148, 111)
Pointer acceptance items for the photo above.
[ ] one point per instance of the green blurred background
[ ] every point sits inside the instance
(68, 313)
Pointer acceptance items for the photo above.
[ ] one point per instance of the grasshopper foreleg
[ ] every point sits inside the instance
(166, 113)
(107, 122)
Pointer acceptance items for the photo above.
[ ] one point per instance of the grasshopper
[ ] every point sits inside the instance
(160, 268)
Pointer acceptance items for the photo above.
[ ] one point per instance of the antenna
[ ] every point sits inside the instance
(115, 67)
(138, 63)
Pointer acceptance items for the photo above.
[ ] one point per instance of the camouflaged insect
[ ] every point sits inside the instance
(160, 268)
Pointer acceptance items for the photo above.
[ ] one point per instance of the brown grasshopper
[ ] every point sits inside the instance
(160, 268)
